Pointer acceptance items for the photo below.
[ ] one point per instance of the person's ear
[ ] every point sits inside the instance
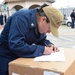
(43, 18)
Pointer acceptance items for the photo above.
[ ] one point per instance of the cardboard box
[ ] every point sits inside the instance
(26, 66)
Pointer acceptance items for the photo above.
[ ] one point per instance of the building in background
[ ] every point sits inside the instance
(9, 7)
(12, 6)
(1, 8)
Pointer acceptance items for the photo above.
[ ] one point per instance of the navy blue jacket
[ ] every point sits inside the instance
(20, 37)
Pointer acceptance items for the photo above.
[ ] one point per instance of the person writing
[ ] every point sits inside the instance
(24, 34)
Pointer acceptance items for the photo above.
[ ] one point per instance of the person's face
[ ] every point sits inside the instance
(43, 26)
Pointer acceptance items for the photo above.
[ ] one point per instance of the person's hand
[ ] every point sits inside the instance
(55, 49)
(48, 50)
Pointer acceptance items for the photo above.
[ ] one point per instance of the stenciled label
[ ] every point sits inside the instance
(50, 73)
(15, 74)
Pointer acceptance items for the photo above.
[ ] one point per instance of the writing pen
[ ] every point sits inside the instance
(48, 46)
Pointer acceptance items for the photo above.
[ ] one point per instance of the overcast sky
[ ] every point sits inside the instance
(64, 3)
(1, 0)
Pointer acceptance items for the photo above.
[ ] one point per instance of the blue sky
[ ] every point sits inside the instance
(64, 3)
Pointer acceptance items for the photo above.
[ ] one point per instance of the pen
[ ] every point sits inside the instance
(48, 46)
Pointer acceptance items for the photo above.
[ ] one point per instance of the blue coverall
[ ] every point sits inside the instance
(20, 38)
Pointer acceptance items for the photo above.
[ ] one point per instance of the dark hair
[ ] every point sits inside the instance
(41, 12)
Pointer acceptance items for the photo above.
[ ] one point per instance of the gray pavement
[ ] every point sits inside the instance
(66, 37)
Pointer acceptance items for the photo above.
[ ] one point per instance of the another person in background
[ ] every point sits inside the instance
(72, 15)
(1, 20)
(24, 34)
(5, 18)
